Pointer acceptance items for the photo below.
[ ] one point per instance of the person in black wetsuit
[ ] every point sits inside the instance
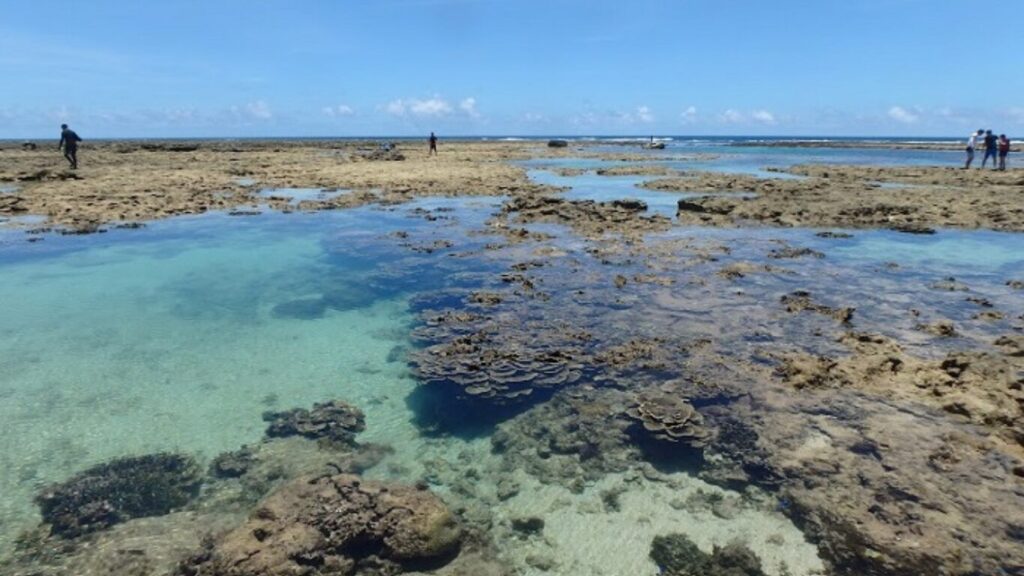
(69, 142)
(991, 146)
(433, 145)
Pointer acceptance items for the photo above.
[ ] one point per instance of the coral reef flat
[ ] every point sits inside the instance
(332, 357)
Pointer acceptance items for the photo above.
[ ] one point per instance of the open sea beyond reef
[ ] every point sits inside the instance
(177, 336)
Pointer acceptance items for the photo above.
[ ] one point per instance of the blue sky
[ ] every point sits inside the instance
(477, 67)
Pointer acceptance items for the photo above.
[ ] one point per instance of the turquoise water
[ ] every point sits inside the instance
(718, 156)
(591, 186)
(179, 335)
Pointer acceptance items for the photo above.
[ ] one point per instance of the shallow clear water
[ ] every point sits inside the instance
(591, 186)
(179, 335)
(719, 156)
(296, 195)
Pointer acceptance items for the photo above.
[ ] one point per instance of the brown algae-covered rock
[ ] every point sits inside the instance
(669, 417)
(328, 525)
(117, 491)
(336, 421)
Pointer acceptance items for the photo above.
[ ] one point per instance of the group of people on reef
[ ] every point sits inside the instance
(995, 147)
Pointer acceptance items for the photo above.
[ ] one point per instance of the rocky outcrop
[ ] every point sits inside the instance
(677, 555)
(335, 421)
(505, 365)
(669, 417)
(983, 387)
(118, 491)
(800, 300)
(587, 216)
(324, 525)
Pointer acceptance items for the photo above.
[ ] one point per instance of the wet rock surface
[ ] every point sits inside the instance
(335, 525)
(677, 555)
(800, 300)
(115, 492)
(896, 447)
(850, 196)
(666, 416)
(587, 216)
(334, 421)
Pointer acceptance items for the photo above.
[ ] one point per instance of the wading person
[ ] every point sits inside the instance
(972, 141)
(1004, 149)
(433, 145)
(69, 142)
(990, 149)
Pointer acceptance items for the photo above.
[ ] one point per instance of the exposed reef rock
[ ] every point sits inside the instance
(941, 328)
(119, 490)
(383, 154)
(332, 525)
(851, 197)
(801, 300)
(983, 387)
(677, 555)
(668, 417)
(587, 216)
(792, 252)
(335, 421)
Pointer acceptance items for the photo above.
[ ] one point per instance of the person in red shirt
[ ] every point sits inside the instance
(1004, 149)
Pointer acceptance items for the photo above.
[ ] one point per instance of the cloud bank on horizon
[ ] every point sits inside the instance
(406, 67)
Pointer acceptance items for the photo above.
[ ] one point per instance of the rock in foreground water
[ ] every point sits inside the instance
(119, 490)
(331, 525)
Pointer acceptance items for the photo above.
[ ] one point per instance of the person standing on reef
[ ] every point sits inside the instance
(1004, 149)
(972, 141)
(433, 145)
(991, 148)
(69, 142)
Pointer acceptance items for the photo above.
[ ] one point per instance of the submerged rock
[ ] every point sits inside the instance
(508, 363)
(800, 300)
(335, 421)
(119, 490)
(233, 464)
(677, 555)
(332, 525)
(668, 417)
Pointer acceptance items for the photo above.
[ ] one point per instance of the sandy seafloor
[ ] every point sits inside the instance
(179, 335)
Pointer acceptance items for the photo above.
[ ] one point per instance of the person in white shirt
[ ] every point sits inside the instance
(971, 142)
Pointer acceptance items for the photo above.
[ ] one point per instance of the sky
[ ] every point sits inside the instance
(205, 68)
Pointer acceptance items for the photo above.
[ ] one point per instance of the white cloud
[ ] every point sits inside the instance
(1016, 115)
(258, 110)
(435, 106)
(60, 114)
(731, 116)
(689, 116)
(339, 110)
(395, 107)
(643, 114)
(762, 116)
(534, 117)
(902, 115)
(469, 107)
